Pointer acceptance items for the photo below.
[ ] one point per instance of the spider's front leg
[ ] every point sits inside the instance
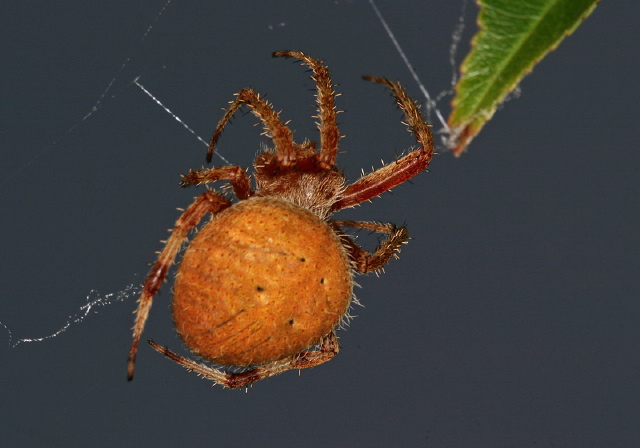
(328, 349)
(208, 202)
(367, 262)
(401, 170)
(236, 176)
(325, 97)
(279, 133)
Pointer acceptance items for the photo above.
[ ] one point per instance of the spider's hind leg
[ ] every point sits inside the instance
(207, 202)
(328, 349)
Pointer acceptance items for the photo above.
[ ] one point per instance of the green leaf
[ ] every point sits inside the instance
(514, 35)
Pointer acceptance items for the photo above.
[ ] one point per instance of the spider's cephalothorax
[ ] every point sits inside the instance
(271, 276)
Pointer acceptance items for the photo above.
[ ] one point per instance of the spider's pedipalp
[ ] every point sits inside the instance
(236, 176)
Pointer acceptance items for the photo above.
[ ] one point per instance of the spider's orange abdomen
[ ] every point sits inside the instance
(263, 280)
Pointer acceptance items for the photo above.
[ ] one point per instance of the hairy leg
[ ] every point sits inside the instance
(325, 97)
(328, 349)
(274, 128)
(365, 261)
(402, 169)
(208, 202)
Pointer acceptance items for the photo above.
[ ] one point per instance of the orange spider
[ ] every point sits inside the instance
(271, 276)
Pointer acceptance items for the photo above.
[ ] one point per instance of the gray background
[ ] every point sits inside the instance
(511, 318)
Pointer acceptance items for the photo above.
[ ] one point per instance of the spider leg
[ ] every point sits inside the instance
(236, 176)
(208, 202)
(401, 170)
(364, 261)
(275, 129)
(325, 97)
(328, 349)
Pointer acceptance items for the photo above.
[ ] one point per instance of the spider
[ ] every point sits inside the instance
(264, 285)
